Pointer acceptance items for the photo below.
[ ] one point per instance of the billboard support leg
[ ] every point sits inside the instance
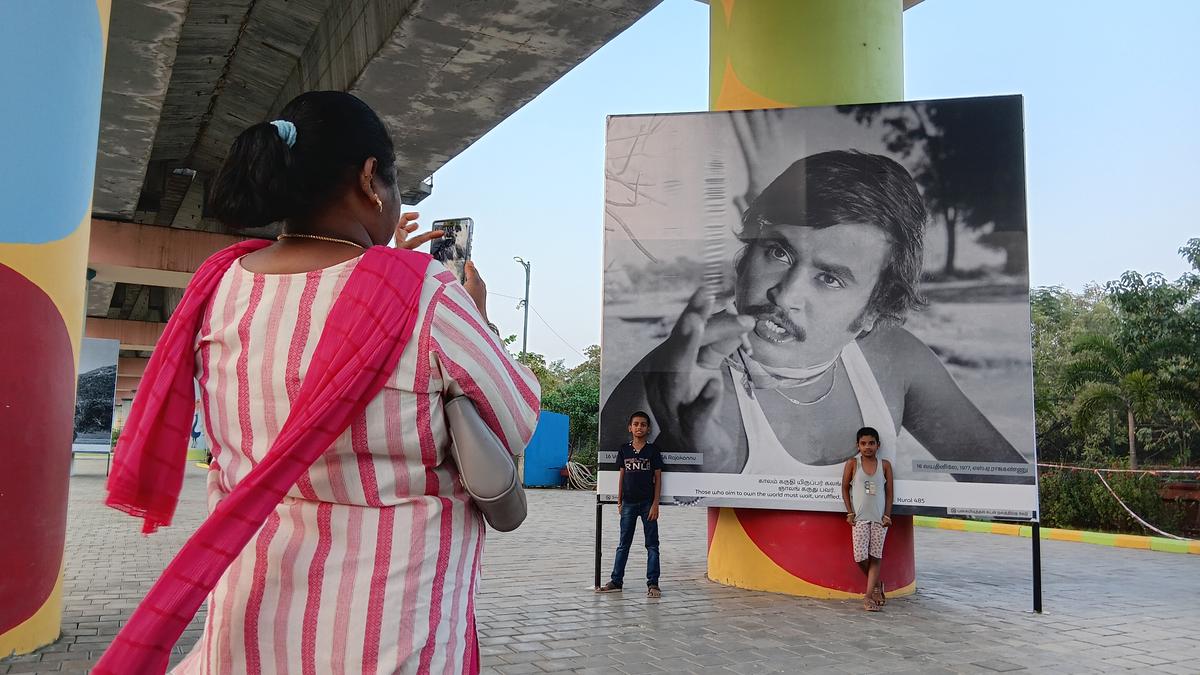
(599, 526)
(1037, 566)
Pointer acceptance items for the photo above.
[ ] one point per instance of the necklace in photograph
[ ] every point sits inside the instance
(822, 397)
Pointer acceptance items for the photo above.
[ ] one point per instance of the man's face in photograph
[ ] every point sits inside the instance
(808, 289)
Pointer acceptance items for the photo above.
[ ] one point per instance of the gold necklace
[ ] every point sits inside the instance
(319, 238)
(822, 397)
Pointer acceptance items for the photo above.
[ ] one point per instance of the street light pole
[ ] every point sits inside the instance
(525, 304)
(524, 347)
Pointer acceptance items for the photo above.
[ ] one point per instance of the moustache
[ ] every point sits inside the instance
(778, 316)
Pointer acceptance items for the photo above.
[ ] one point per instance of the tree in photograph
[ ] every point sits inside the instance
(624, 186)
(968, 156)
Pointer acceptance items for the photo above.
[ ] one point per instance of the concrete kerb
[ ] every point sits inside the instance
(1191, 546)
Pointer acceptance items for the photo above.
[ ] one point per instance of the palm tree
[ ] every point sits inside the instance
(1128, 379)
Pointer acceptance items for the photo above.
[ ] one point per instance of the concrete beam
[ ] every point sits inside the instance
(136, 335)
(454, 69)
(346, 40)
(183, 78)
(150, 255)
(127, 383)
(441, 72)
(271, 41)
(99, 297)
(132, 366)
(142, 39)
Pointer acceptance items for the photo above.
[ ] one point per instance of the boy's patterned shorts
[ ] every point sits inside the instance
(868, 540)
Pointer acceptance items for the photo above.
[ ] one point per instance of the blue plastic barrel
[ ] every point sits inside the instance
(546, 454)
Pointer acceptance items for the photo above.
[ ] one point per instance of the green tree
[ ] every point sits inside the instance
(1133, 378)
(1127, 348)
(1116, 358)
(578, 397)
(1059, 316)
(574, 392)
(1157, 331)
(1108, 377)
(550, 375)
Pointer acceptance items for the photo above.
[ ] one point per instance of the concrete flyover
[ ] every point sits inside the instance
(182, 79)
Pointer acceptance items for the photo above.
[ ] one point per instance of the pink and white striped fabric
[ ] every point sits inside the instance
(369, 564)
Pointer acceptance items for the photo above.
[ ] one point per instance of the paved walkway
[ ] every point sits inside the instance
(1106, 609)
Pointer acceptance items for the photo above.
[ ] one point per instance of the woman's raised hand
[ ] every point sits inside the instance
(408, 225)
(475, 287)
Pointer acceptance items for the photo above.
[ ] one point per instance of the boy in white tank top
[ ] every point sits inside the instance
(867, 493)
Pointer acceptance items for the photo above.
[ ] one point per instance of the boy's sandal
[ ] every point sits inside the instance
(870, 605)
(610, 587)
(653, 592)
(880, 598)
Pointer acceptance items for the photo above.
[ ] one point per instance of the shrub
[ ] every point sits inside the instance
(1079, 500)
(585, 454)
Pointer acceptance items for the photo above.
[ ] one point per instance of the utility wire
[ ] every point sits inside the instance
(564, 341)
(543, 320)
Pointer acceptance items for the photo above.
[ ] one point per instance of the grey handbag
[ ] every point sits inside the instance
(487, 471)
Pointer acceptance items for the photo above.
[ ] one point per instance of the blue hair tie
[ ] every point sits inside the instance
(286, 131)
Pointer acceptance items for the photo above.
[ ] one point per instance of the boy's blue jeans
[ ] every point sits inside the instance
(630, 513)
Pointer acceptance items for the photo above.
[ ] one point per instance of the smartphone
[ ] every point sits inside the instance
(453, 249)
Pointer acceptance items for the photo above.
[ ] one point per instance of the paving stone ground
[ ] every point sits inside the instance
(1106, 609)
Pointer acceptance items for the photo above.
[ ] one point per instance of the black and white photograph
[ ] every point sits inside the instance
(453, 248)
(776, 279)
(95, 395)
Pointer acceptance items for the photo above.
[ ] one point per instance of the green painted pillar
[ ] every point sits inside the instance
(777, 53)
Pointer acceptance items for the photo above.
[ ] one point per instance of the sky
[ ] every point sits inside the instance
(1112, 99)
(95, 354)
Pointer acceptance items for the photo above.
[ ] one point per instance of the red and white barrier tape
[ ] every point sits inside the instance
(1133, 515)
(1152, 472)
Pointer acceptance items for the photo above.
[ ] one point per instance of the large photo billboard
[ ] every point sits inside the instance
(776, 279)
(95, 395)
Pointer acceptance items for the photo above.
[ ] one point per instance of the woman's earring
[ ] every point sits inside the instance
(379, 203)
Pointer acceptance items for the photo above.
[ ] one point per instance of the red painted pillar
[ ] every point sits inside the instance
(801, 553)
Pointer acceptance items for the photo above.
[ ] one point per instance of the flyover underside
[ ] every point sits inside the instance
(184, 78)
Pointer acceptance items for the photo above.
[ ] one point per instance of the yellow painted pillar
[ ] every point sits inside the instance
(785, 53)
(52, 56)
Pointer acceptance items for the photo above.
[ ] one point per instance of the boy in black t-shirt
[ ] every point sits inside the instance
(638, 490)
